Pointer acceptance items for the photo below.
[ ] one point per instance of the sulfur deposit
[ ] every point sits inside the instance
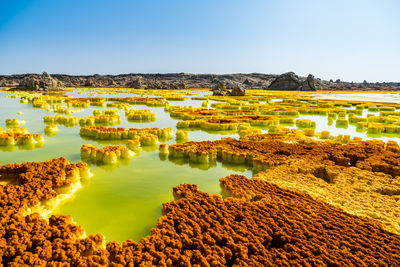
(109, 133)
(51, 130)
(14, 122)
(361, 177)
(19, 136)
(133, 145)
(182, 135)
(163, 149)
(143, 115)
(107, 154)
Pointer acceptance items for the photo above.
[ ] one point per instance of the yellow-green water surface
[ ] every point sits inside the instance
(124, 201)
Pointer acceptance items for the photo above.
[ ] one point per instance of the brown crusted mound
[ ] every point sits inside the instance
(264, 225)
(178, 111)
(30, 239)
(362, 177)
(248, 118)
(359, 192)
(367, 155)
(110, 133)
(221, 121)
(239, 112)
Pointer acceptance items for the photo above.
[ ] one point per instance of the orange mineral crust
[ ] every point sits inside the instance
(190, 113)
(31, 240)
(110, 133)
(260, 225)
(107, 154)
(360, 192)
(269, 150)
(363, 178)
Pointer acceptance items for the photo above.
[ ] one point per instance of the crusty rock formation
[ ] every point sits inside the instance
(238, 90)
(42, 82)
(362, 177)
(291, 82)
(286, 81)
(308, 84)
(219, 89)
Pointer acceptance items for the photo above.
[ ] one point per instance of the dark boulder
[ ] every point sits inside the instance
(238, 90)
(291, 82)
(220, 89)
(287, 81)
(308, 84)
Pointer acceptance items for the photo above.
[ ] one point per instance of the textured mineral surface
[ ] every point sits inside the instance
(259, 224)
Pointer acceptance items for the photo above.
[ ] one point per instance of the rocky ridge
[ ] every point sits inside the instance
(188, 80)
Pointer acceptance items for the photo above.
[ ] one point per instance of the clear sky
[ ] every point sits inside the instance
(348, 39)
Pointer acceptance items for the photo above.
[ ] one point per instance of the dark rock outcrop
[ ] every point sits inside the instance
(181, 85)
(36, 82)
(308, 84)
(291, 82)
(137, 83)
(286, 81)
(238, 90)
(90, 83)
(220, 89)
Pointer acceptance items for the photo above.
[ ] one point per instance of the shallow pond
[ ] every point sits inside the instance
(124, 201)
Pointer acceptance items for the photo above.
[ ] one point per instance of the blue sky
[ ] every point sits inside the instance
(348, 39)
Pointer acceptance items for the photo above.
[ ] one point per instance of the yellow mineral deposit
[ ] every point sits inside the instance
(163, 149)
(107, 154)
(182, 135)
(14, 122)
(133, 145)
(61, 120)
(51, 130)
(19, 137)
(145, 115)
(109, 133)
(148, 139)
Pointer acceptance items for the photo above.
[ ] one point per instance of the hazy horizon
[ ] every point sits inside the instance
(347, 40)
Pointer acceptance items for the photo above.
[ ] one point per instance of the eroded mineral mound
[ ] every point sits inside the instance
(39, 82)
(238, 90)
(220, 89)
(360, 177)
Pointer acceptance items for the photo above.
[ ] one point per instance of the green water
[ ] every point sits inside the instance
(121, 201)
(124, 201)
